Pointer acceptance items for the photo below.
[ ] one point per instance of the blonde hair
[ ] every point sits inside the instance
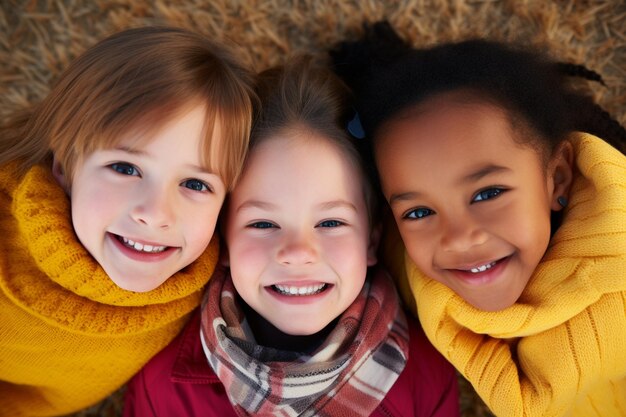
(138, 80)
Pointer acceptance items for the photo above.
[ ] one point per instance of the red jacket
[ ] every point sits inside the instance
(179, 382)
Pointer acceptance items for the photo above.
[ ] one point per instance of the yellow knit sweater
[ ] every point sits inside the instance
(68, 335)
(561, 349)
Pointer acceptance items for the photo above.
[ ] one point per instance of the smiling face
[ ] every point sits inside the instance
(145, 210)
(297, 233)
(472, 205)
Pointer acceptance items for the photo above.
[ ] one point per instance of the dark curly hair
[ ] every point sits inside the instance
(388, 77)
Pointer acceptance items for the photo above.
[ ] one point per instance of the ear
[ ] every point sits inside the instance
(372, 248)
(59, 175)
(561, 173)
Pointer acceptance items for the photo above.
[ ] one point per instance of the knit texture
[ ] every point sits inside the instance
(68, 335)
(560, 349)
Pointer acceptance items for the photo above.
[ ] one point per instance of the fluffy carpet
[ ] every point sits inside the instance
(38, 38)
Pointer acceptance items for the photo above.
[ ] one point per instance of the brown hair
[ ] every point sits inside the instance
(138, 80)
(302, 96)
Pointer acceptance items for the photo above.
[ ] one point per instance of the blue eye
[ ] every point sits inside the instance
(487, 194)
(262, 225)
(196, 185)
(330, 223)
(418, 213)
(124, 168)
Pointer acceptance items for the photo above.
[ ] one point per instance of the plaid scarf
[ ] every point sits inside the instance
(348, 375)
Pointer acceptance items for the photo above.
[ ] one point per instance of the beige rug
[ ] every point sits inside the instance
(39, 37)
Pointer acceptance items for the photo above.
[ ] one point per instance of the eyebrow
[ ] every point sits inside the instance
(129, 150)
(263, 205)
(337, 203)
(469, 178)
(256, 204)
(483, 172)
(411, 195)
(198, 168)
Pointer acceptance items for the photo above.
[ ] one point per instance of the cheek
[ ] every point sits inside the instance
(248, 260)
(418, 248)
(93, 208)
(199, 227)
(533, 237)
(348, 255)
(247, 256)
(527, 225)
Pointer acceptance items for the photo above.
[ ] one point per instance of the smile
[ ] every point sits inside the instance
(140, 247)
(482, 268)
(299, 291)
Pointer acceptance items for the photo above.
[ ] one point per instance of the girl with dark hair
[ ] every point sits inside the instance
(508, 189)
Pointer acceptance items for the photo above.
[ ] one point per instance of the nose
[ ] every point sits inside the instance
(153, 207)
(462, 233)
(297, 248)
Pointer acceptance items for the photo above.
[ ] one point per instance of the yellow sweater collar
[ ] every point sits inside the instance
(586, 257)
(48, 272)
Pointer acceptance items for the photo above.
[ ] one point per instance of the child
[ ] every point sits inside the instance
(475, 147)
(297, 325)
(144, 133)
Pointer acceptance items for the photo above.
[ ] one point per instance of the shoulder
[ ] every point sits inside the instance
(425, 362)
(158, 371)
(427, 379)
(178, 381)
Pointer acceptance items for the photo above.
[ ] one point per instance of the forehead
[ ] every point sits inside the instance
(299, 166)
(442, 137)
(446, 127)
(182, 128)
(159, 120)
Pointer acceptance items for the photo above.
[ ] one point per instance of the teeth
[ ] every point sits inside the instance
(142, 248)
(482, 268)
(299, 291)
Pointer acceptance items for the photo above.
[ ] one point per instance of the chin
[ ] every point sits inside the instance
(495, 305)
(133, 285)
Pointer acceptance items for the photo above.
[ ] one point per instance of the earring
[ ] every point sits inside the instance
(562, 201)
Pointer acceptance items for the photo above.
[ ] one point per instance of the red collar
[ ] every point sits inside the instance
(191, 364)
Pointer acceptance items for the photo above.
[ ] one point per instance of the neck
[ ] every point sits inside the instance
(266, 334)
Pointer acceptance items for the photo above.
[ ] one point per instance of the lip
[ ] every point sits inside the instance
(299, 299)
(140, 256)
(482, 278)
